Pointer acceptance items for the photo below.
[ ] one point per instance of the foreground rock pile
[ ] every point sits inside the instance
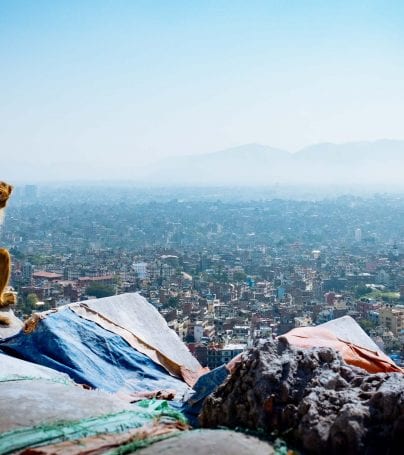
(312, 398)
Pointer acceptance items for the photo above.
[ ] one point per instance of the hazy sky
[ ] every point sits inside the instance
(138, 80)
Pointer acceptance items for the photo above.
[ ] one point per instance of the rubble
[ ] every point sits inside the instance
(311, 398)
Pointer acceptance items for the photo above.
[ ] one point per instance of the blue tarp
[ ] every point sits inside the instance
(89, 354)
(205, 385)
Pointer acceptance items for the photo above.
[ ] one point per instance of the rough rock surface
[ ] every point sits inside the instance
(312, 398)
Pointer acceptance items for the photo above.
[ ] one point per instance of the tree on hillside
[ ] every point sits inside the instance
(100, 290)
(361, 291)
(239, 277)
(29, 305)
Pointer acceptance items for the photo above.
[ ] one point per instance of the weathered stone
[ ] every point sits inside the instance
(312, 397)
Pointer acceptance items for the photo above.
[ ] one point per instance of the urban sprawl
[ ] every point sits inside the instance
(222, 271)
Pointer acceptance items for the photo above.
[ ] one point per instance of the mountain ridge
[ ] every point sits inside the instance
(356, 162)
(360, 163)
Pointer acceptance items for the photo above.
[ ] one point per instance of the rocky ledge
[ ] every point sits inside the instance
(311, 398)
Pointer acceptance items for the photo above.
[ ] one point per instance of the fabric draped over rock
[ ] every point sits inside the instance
(90, 355)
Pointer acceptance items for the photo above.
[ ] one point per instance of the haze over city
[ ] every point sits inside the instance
(113, 90)
(201, 227)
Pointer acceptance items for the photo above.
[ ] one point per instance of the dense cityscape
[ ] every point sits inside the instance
(224, 269)
(202, 227)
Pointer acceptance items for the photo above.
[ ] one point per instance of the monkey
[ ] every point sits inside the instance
(6, 296)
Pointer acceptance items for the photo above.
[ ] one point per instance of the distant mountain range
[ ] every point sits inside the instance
(379, 162)
(354, 163)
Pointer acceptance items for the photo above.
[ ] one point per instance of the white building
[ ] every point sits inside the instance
(198, 332)
(140, 268)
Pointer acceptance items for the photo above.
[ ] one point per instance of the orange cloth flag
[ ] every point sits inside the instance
(371, 361)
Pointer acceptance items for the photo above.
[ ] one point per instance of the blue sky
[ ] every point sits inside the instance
(141, 80)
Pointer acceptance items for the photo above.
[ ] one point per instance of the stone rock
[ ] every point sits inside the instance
(313, 399)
